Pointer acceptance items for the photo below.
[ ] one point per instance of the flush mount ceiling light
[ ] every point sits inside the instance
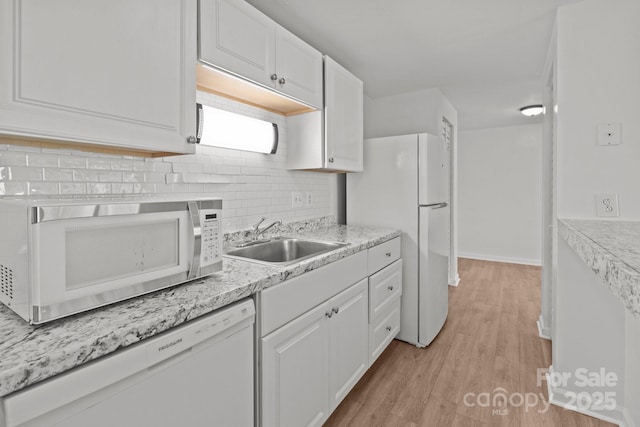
(219, 128)
(532, 110)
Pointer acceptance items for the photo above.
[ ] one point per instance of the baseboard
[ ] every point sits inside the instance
(497, 258)
(558, 397)
(543, 330)
(455, 282)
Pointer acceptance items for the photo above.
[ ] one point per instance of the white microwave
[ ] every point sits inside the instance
(61, 257)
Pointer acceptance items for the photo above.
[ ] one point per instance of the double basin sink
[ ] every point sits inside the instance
(283, 250)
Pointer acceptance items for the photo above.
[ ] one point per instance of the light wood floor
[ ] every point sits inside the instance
(490, 340)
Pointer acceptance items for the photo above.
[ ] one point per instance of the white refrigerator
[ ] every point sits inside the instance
(405, 185)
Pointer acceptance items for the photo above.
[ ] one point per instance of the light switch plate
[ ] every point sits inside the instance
(609, 134)
(607, 205)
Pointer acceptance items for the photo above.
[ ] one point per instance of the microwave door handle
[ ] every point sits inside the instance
(194, 213)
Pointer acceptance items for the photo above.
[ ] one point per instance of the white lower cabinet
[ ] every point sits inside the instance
(320, 332)
(295, 372)
(311, 363)
(383, 330)
(385, 290)
(348, 341)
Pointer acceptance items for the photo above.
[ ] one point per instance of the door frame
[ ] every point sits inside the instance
(549, 194)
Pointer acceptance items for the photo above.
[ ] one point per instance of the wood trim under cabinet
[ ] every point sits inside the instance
(79, 146)
(237, 89)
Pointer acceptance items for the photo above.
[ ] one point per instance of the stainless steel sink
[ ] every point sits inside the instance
(284, 250)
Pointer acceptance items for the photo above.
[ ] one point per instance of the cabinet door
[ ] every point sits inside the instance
(299, 68)
(349, 344)
(116, 72)
(295, 372)
(343, 118)
(238, 38)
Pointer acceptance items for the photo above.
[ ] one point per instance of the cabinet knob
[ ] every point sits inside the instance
(390, 287)
(329, 314)
(192, 140)
(388, 254)
(335, 309)
(330, 159)
(389, 328)
(274, 77)
(282, 81)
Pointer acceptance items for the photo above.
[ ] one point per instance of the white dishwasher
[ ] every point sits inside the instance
(197, 374)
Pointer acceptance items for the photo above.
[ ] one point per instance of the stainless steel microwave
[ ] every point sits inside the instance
(61, 257)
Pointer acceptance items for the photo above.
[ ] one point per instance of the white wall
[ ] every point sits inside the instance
(597, 68)
(411, 112)
(500, 194)
(251, 184)
(598, 81)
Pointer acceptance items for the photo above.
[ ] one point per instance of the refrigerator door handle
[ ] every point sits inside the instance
(436, 205)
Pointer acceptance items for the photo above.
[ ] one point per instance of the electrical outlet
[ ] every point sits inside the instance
(308, 199)
(607, 205)
(297, 199)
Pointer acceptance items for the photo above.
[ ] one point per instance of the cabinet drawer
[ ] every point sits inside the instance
(382, 331)
(384, 286)
(384, 254)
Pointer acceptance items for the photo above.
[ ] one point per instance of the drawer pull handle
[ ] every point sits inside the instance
(329, 314)
(389, 328)
(390, 287)
(388, 254)
(335, 309)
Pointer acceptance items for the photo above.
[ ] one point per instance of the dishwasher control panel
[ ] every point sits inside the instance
(186, 336)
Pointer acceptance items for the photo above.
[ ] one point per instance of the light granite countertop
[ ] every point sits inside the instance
(29, 354)
(612, 250)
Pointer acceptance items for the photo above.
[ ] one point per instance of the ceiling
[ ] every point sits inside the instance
(486, 56)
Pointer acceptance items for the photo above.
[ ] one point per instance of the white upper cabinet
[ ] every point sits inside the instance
(115, 73)
(299, 68)
(236, 37)
(344, 118)
(330, 140)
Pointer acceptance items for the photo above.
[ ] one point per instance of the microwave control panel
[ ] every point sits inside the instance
(211, 237)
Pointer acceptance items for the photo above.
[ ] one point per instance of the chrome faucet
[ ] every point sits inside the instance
(257, 232)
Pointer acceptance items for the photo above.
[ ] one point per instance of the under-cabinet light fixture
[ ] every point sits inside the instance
(532, 110)
(219, 128)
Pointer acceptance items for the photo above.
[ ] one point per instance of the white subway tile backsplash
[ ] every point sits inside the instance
(134, 177)
(72, 162)
(110, 176)
(125, 164)
(122, 188)
(42, 160)
(160, 166)
(57, 174)
(86, 175)
(13, 158)
(188, 167)
(43, 188)
(98, 188)
(20, 173)
(69, 188)
(98, 163)
(251, 184)
(13, 188)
